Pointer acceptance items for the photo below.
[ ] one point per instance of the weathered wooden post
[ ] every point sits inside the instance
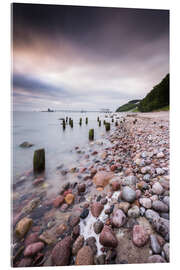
(80, 121)
(107, 126)
(98, 119)
(66, 119)
(112, 120)
(104, 122)
(116, 123)
(86, 120)
(91, 134)
(99, 123)
(64, 124)
(71, 123)
(69, 120)
(39, 161)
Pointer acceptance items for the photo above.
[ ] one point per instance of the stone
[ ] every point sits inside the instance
(160, 206)
(142, 211)
(23, 226)
(103, 201)
(61, 252)
(38, 181)
(128, 194)
(98, 225)
(156, 259)
(160, 155)
(39, 161)
(64, 207)
(161, 225)
(76, 230)
(32, 249)
(78, 244)
(151, 215)
(108, 238)
(100, 259)
(25, 262)
(138, 193)
(73, 220)
(69, 198)
(61, 229)
(31, 238)
(102, 178)
(166, 200)
(47, 238)
(91, 241)
(58, 201)
(160, 171)
(124, 206)
(84, 213)
(96, 209)
(140, 236)
(166, 251)
(26, 145)
(157, 188)
(156, 248)
(145, 202)
(115, 185)
(144, 170)
(130, 180)
(134, 212)
(119, 218)
(85, 256)
(147, 177)
(81, 188)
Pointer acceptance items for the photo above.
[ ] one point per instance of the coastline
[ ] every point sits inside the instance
(137, 158)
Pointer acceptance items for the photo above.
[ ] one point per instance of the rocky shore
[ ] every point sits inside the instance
(111, 209)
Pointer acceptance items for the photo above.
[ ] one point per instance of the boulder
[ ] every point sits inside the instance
(32, 249)
(78, 244)
(128, 194)
(157, 188)
(160, 206)
(124, 206)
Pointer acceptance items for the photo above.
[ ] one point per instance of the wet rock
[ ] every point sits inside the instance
(164, 215)
(38, 181)
(138, 193)
(101, 178)
(128, 194)
(34, 248)
(124, 206)
(76, 230)
(26, 145)
(134, 212)
(58, 201)
(119, 218)
(81, 188)
(147, 177)
(61, 252)
(96, 209)
(91, 241)
(78, 244)
(151, 215)
(160, 206)
(156, 259)
(166, 200)
(30, 206)
(69, 198)
(145, 202)
(160, 171)
(23, 226)
(140, 236)
(25, 262)
(73, 220)
(47, 238)
(85, 256)
(84, 213)
(32, 238)
(61, 229)
(111, 256)
(166, 251)
(157, 188)
(156, 248)
(98, 225)
(107, 237)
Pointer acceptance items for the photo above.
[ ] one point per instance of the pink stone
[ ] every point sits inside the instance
(58, 201)
(96, 209)
(140, 236)
(32, 249)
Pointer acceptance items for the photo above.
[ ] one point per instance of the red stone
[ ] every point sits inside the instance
(58, 201)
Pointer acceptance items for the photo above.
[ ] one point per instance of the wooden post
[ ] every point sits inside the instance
(99, 123)
(91, 134)
(86, 120)
(39, 161)
(104, 122)
(107, 126)
(98, 119)
(80, 121)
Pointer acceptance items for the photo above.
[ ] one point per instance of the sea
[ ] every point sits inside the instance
(45, 130)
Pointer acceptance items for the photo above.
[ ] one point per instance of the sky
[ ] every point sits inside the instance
(72, 57)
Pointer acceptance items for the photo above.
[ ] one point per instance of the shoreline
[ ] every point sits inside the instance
(124, 190)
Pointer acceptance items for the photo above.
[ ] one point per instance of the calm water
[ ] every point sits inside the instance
(45, 131)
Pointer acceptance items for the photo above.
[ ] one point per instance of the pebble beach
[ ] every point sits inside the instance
(111, 208)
